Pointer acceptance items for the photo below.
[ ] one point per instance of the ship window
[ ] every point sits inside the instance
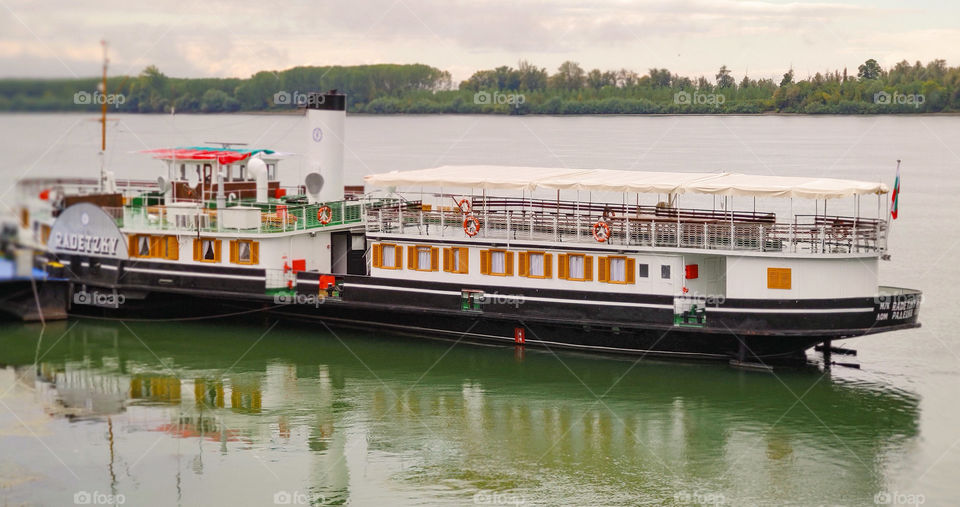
(206, 250)
(617, 269)
(575, 267)
(665, 271)
(536, 264)
(143, 246)
(456, 260)
(387, 256)
(643, 270)
(422, 258)
(496, 262)
(244, 251)
(243, 173)
(778, 278)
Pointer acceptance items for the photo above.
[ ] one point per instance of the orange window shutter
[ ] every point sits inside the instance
(216, 250)
(562, 261)
(509, 258)
(604, 269)
(434, 258)
(398, 260)
(447, 255)
(412, 257)
(132, 245)
(485, 262)
(524, 267)
(631, 271)
(197, 243)
(255, 252)
(548, 265)
(233, 251)
(155, 247)
(377, 255)
(464, 260)
(588, 267)
(173, 248)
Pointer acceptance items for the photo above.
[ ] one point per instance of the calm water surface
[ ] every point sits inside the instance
(236, 411)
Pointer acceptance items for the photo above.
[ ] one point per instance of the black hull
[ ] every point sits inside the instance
(635, 324)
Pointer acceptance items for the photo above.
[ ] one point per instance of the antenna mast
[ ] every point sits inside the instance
(103, 117)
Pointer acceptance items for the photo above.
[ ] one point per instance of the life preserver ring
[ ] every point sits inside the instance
(465, 206)
(601, 226)
(839, 233)
(471, 226)
(324, 214)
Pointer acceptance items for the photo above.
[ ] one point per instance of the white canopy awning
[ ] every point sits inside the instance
(643, 182)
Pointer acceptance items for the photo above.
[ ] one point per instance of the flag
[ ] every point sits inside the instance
(896, 194)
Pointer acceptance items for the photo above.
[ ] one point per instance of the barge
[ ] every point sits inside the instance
(609, 262)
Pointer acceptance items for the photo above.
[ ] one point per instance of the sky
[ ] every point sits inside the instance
(216, 38)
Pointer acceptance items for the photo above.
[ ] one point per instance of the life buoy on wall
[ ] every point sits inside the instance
(324, 214)
(471, 226)
(601, 231)
(465, 206)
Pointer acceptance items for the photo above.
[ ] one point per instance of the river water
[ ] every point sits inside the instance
(246, 411)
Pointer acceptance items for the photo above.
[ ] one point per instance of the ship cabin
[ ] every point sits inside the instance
(698, 237)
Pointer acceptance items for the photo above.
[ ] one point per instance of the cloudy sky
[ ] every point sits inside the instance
(60, 38)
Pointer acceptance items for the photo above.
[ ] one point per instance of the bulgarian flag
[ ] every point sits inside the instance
(896, 193)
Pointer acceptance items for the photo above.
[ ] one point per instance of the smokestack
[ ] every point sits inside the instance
(326, 113)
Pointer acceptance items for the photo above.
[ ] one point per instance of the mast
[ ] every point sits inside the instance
(103, 118)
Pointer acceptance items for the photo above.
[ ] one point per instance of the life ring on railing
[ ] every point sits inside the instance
(324, 214)
(597, 228)
(471, 226)
(839, 233)
(465, 206)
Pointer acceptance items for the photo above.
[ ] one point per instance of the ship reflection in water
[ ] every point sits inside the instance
(210, 413)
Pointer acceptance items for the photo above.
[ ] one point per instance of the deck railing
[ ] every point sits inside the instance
(271, 218)
(637, 226)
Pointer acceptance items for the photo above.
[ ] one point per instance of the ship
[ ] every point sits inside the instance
(611, 262)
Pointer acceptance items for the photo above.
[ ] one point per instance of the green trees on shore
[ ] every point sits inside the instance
(526, 89)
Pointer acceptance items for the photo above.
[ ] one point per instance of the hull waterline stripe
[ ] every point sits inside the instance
(194, 273)
(619, 303)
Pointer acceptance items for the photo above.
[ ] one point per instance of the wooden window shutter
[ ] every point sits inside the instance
(447, 259)
(398, 259)
(631, 271)
(411, 257)
(216, 250)
(434, 258)
(509, 261)
(156, 246)
(548, 265)
(254, 252)
(377, 255)
(173, 248)
(132, 245)
(197, 249)
(233, 251)
(524, 266)
(604, 270)
(588, 267)
(563, 262)
(464, 255)
(485, 262)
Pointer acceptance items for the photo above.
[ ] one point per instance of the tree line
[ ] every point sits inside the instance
(524, 89)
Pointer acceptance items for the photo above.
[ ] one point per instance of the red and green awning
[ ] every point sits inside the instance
(203, 153)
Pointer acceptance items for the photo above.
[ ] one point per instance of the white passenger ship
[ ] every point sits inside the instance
(469, 253)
